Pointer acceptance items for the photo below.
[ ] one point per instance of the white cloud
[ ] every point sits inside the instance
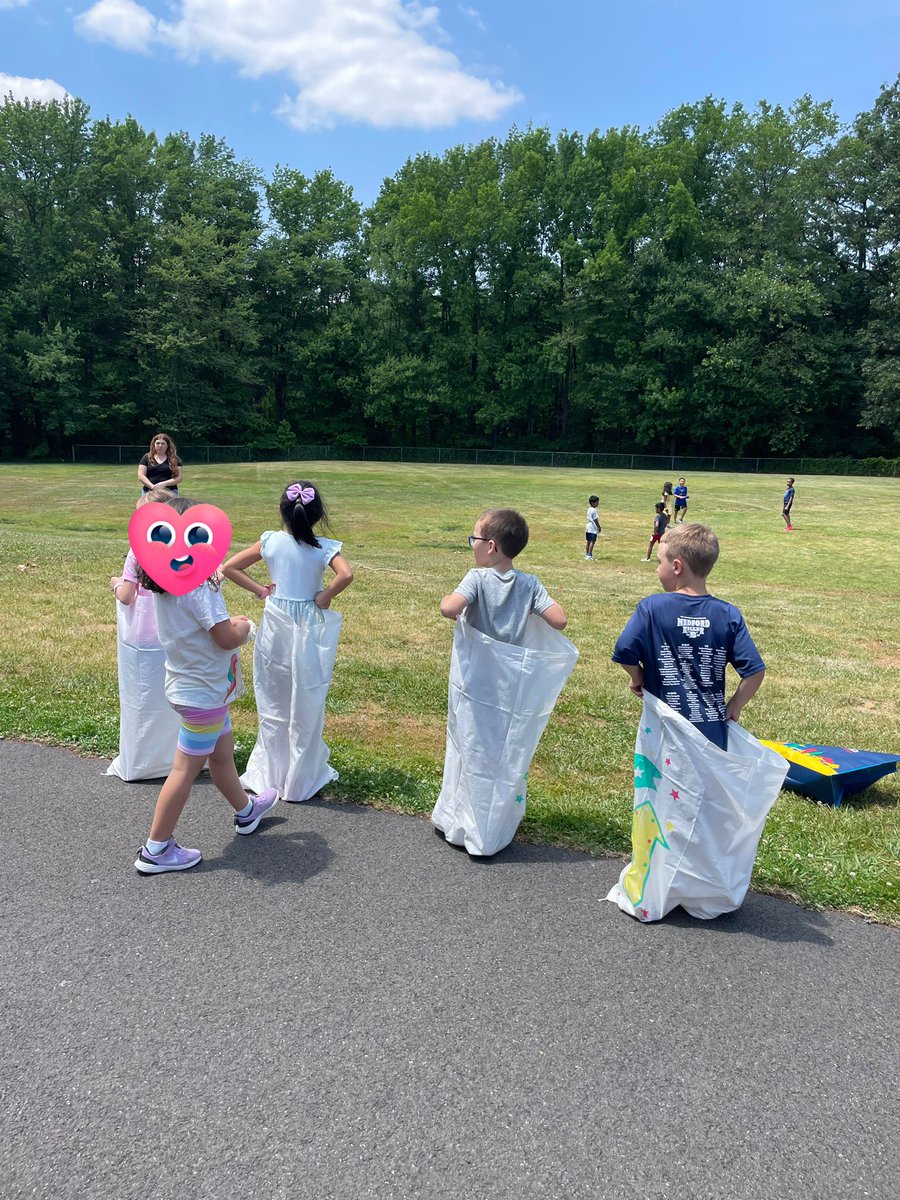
(13, 3)
(474, 16)
(30, 89)
(122, 22)
(367, 61)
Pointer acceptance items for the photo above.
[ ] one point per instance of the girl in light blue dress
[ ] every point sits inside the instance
(296, 646)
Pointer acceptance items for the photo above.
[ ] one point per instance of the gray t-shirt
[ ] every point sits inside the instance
(500, 604)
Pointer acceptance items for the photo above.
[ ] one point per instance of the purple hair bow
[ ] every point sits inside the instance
(304, 495)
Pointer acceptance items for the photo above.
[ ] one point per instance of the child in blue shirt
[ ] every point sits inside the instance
(681, 501)
(677, 644)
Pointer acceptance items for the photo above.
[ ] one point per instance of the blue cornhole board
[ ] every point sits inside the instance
(829, 773)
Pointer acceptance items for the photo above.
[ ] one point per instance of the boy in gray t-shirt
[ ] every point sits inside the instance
(496, 598)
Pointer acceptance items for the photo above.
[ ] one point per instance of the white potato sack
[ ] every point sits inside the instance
(292, 669)
(698, 816)
(500, 699)
(148, 725)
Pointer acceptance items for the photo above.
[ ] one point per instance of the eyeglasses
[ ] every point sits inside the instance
(473, 538)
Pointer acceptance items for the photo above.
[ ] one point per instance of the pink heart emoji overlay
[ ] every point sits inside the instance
(179, 551)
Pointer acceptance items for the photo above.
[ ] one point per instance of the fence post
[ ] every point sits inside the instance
(120, 455)
(757, 466)
(715, 460)
(632, 462)
(476, 458)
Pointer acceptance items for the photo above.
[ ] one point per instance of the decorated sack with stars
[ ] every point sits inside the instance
(698, 816)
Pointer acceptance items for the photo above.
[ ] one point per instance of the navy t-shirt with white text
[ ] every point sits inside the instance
(683, 644)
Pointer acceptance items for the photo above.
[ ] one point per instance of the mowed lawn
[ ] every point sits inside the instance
(821, 603)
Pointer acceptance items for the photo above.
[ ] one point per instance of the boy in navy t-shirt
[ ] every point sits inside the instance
(678, 643)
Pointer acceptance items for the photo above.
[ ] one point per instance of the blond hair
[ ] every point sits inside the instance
(696, 545)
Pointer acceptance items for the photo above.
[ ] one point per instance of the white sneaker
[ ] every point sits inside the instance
(645, 560)
(589, 557)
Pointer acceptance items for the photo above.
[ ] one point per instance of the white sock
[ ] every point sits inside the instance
(155, 848)
(246, 811)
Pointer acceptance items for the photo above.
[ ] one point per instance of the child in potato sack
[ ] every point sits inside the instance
(294, 655)
(148, 726)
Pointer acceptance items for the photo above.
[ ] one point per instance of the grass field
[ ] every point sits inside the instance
(821, 604)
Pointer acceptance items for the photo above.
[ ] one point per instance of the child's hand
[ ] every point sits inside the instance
(268, 590)
(637, 688)
(115, 580)
(323, 600)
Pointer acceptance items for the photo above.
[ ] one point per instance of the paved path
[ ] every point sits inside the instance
(343, 1006)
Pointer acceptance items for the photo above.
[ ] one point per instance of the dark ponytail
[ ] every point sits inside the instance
(300, 517)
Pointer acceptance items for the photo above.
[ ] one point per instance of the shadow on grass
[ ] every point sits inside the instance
(882, 794)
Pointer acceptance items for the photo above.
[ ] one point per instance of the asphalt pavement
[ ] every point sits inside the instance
(344, 1006)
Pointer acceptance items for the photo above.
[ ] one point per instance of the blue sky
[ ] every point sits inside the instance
(361, 85)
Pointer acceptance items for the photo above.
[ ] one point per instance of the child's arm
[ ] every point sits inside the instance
(230, 634)
(453, 605)
(745, 691)
(637, 678)
(555, 616)
(123, 589)
(235, 570)
(343, 577)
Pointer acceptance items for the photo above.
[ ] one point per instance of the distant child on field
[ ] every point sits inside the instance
(660, 522)
(676, 644)
(202, 675)
(593, 526)
(681, 501)
(294, 654)
(496, 598)
(788, 504)
(666, 498)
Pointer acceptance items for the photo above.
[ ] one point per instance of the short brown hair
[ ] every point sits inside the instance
(507, 528)
(695, 544)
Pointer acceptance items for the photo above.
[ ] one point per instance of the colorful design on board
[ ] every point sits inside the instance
(646, 772)
(646, 835)
(674, 793)
(828, 773)
(232, 675)
(814, 758)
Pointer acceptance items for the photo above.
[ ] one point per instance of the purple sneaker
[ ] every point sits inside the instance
(261, 805)
(173, 858)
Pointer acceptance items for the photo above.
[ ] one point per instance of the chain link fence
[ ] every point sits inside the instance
(129, 455)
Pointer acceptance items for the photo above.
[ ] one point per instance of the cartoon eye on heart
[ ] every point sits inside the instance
(179, 550)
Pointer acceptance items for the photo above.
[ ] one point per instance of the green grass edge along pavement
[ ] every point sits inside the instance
(821, 603)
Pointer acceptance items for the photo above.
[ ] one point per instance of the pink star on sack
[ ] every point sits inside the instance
(645, 913)
(674, 794)
(668, 762)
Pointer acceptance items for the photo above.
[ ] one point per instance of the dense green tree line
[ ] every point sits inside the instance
(723, 283)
